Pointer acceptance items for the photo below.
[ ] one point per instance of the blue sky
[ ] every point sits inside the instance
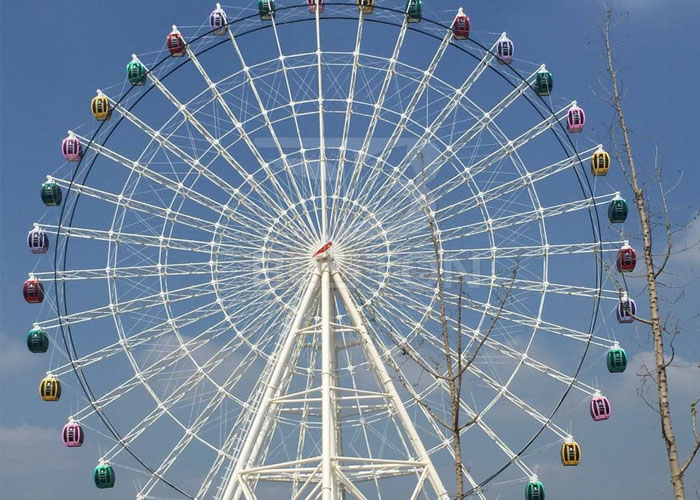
(54, 56)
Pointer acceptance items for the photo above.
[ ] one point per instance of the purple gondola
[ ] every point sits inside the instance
(217, 20)
(626, 310)
(505, 50)
(38, 240)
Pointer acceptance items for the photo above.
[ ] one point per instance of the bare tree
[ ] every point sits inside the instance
(643, 204)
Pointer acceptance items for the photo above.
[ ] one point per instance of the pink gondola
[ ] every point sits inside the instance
(73, 435)
(575, 120)
(600, 408)
(461, 25)
(314, 4)
(217, 21)
(71, 148)
(626, 259)
(38, 240)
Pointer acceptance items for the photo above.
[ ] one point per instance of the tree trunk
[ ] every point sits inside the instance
(656, 327)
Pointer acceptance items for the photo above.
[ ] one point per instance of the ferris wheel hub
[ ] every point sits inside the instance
(323, 251)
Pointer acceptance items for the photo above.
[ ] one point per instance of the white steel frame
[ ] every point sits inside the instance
(325, 476)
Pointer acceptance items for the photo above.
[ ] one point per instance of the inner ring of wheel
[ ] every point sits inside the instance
(272, 261)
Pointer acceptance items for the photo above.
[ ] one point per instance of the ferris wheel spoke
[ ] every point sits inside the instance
(353, 188)
(523, 252)
(292, 106)
(534, 323)
(130, 306)
(532, 286)
(495, 157)
(223, 152)
(502, 390)
(335, 213)
(515, 400)
(244, 135)
(477, 336)
(128, 272)
(450, 150)
(322, 133)
(409, 224)
(442, 384)
(521, 218)
(177, 187)
(164, 407)
(406, 116)
(430, 131)
(194, 163)
(164, 213)
(528, 179)
(165, 362)
(140, 338)
(205, 247)
(159, 366)
(224, 453)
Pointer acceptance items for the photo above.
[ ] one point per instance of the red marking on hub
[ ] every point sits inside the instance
(324, 249)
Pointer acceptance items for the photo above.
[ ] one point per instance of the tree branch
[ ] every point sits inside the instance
(693, 416)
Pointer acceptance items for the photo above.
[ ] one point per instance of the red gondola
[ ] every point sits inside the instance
(176, 44)
(461, 25)
(33, 290)
(315, 4)
(626, 259)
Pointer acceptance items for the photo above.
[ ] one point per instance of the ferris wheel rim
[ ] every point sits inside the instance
(70, 346)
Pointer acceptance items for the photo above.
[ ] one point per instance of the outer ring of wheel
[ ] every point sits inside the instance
(59, 261)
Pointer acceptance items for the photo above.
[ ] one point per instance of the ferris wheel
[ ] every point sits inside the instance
(280, 227)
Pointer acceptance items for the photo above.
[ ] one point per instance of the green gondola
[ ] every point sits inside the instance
(544, 82)
(104, 476)
(51, 194)
(37, 340)
(534, 491)
(618, 210)
(617, 360)
(266, 9)
(136, 73)
(414, 10)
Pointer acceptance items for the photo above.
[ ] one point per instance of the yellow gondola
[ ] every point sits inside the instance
(50, 389)
(100, 108)
(570, 454)
(600, 163)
